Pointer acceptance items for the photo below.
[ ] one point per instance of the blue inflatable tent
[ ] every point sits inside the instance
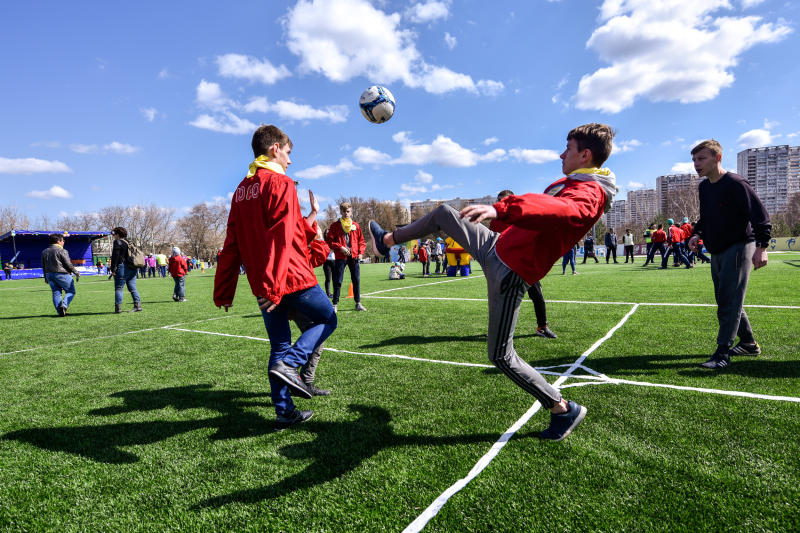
(23, 249)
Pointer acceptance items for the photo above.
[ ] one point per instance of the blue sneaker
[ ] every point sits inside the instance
(377, 233)
(562, 424)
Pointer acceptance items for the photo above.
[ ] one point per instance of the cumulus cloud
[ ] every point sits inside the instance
(429, 11)
(30, 165)
(682, 50)
(527, 155)
(320, 171)
(625, 146)
(442, 151)
(370, 156)
(84, 148)
(793, 134)
(250, 68)
(120, 148)
(294, 111)
(755, 138)
(210, 95)
(635, 185)
(449, 40)
(53, 192)
(490, 141)
(683, 168)
(227, 122)
(343, 39)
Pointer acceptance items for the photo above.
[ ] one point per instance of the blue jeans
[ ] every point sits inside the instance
(180, 287)
(162, 269)
(314, 305)
(125, 276)
(58, 283)
(568, 259)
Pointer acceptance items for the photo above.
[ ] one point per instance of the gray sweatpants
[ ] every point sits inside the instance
(506, 291)
(730, 272)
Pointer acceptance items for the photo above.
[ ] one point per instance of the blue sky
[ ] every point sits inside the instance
(108, 103)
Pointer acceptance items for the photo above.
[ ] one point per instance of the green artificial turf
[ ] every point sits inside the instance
(118, 423)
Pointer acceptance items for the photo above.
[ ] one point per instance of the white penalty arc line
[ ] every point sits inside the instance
(433, 509)
(473, 276)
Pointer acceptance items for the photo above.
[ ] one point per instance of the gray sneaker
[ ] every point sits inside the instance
(282, 372)
(360, 307)
(562, 424)
(293, 418)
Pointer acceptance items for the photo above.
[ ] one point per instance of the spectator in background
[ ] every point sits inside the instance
(659, 238)
(437, 250)
(99, 266)
(123, 271)
(422, 255)
(7, 270)
(150, 261)
(627, 242)
(161, 263)
(611, 245)
(588, 248)
(178, 270)
(57, 268)
(327, 268)
(346, 240)
(569, 258)
(648, 238)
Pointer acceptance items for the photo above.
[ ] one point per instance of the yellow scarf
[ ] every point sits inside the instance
(347, 224)
(263, 161)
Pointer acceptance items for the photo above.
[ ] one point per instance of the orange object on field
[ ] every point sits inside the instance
(350, 291)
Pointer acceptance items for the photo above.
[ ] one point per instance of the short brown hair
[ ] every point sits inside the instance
(56, 238)
(344, 206)
(502, 194)
(119, 230)
(267, 135)
(594, 137)
(713, 146)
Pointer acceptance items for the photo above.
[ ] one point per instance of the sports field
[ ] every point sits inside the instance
(162, 421)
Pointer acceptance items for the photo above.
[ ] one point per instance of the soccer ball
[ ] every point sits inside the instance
(377, 104)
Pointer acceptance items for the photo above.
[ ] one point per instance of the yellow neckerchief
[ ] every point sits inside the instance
(347, 224)
(593, 170)
(56, 244)
(263, 161)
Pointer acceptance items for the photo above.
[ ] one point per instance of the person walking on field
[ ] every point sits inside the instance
(123, 270)
(611, 245)
(268, 234)
(57, 268)
(659, 238)
(178, 270)
(588, 249)
(542, 228)
(736, 229)
(627, 242)
(348, 246)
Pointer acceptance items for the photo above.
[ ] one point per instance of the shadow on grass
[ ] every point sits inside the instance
(340, 447)
(430, 339)
(55, 315)
(102, 443)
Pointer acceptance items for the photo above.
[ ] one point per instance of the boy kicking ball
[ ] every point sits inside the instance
(541, 229)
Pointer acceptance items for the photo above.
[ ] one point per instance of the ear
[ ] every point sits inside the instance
(272, 149)
(587, 156)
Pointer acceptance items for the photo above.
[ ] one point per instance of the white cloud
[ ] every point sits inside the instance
(53, 192)
(750, 3)
(668, 51)
(498, 154)
(120, 148)
(370, 156)
(150, 113)
(429, 11)
(250, 68)
(449, 40)
(163, 73)
(793, 134)
(768, 125)
(343, 39)
(490, 141)
(437, 187)
(210, 95)
(527, 155)
(442, 151)
(30, 165)
(292, 111)
(755, 138)
(423, 177)
(635, 185)
(320, 171)
(226, 123)
(683, 168)
(84, 148)
(625, 146)
(412, 189)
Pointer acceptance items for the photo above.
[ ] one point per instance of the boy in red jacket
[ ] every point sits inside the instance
(347, 243)
(542, 228)
(178, 270)
(269, 236)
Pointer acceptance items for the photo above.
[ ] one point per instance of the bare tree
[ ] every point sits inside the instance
(202, 230)
(12, 218)
(684, 202)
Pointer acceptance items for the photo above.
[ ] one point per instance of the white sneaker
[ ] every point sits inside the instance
(335, 308)
(360, 307)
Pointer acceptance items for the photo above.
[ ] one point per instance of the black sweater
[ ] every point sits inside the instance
(730, 212)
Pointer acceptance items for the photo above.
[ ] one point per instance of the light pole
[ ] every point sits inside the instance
(14, 243)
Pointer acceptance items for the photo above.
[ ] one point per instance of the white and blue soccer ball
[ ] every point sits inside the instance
(377, 104)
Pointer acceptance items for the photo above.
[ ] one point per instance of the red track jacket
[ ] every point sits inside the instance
(268, 234)
(335, 239)
(543, 227)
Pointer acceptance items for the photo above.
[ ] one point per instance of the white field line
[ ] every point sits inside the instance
(652, 304)
(433, 509)
(111, 336)
(472, 276)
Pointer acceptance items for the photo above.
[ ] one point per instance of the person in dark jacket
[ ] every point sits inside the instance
(588, 249)
(58, 270)
(735, 227)
(123, 270)
(611, 244)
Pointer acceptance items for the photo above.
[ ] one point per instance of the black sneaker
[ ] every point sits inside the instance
(545, 332)
(295, 417)
(562, 424)
(62, 311)
(316, 391)
(377, 232)
(745, 348)
(718, 361)
(289, 376)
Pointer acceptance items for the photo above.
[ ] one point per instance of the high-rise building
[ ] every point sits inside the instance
(675, 190)
(774, 173)
(617, 216)
(642, 206)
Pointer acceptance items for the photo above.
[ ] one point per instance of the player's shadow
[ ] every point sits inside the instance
(688, 364)
(405, 340)
(793, 262)
(53, 314)
(339, 448)
(104, 443)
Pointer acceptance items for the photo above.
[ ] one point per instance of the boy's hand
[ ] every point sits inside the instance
(265, 304)
(345, 250)
(476, 213)
(313, 201)
(759, 258)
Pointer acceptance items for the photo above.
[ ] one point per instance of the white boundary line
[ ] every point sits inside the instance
(471, 276)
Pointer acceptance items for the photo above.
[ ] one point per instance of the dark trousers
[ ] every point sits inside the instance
(677, 252)
(611, 251)
(629, 252)
(589, 253)
(327, 269)
(536, 296)
(338, 275)
(426, 268)
(730, 272)
(655, 247)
